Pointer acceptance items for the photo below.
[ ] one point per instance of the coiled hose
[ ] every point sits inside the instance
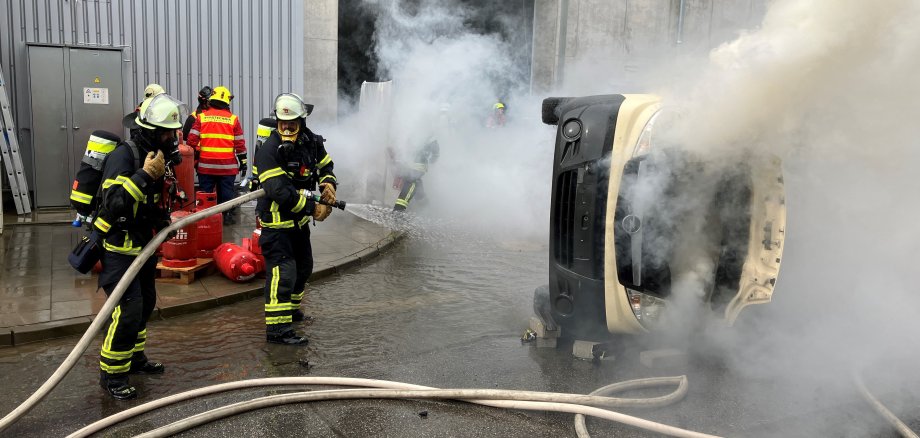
(112, 301)
(526, 400)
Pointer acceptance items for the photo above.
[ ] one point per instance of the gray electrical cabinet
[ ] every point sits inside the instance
(73, 92)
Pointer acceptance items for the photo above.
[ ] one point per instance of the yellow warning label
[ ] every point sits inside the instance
(97, 80)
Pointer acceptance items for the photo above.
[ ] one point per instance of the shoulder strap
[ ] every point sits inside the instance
(134, 153)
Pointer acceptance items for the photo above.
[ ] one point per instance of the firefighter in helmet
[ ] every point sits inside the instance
(129, 214)
(291, 164)
(217, 137)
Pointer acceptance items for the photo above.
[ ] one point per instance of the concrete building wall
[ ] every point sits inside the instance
(320, 55)
(626, 34)
(254, 47)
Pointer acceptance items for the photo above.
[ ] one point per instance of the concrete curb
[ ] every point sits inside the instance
(19, 335)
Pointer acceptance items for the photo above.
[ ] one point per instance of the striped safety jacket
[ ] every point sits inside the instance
(129, 213)
(217, 137)
(284, 171)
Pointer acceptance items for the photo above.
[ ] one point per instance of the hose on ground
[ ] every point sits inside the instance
(507, 399)
(112, 301)
(582, 430)
(895, 422)
(609, 402)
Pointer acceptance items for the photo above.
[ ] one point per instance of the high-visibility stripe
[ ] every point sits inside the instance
(273, 289)
(217, 166)
(278, 225)
(280, 307)
(110, 334)
(114, 369)
(271, 173)
(262, 131)
(297, 297)
(101, 145)
(214, 149)
(411, 191)
(421, 167)
(238, 137)
(325, 177)
(132, 188)
(116, 355)
(109, 183)
(326, 160)
(194, 131)
(303, 221)
(271, 320)
(402, 203)
(127, 248)
(218, 136)
(101, 224)
(80, 197)
(301, 202)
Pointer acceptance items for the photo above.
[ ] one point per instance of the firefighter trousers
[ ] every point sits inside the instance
(126, 330)
(288, 265)
(411, 188)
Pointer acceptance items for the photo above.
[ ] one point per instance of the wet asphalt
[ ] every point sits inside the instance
(449, 313)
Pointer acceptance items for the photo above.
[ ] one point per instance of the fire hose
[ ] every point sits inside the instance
(116, 295)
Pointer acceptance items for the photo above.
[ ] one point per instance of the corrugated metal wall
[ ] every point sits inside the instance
(254, 47)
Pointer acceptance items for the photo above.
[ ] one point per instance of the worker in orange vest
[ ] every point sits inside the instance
(217, 137)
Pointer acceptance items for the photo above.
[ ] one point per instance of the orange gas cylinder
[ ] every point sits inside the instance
(211, 228)
(236, 263)
(182, 250)
(185, 175)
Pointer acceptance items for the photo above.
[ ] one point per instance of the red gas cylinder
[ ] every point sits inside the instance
(254, 245)
(185, 175)
(182, 250)
(236, 263)
(211, 228)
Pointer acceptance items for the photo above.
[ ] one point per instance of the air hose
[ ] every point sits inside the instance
(113, 300)
(526, 400)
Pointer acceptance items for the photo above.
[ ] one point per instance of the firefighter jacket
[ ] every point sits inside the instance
(129, 213)
(283, 171)
(217, 137)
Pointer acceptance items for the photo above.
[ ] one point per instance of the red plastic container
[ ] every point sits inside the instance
(236, 263)
(182, 250)
(211, 228)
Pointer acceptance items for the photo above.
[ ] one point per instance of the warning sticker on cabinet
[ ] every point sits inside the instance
(99, 96)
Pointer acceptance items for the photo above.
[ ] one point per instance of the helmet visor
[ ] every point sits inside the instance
(163, 111)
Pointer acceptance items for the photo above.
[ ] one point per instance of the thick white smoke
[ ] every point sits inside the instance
(445, 79)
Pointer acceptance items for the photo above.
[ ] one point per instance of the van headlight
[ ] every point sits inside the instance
(644, 144)
(646, 308)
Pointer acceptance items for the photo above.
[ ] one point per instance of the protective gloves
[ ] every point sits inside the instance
(155, 165)
(328, 192)
(243, 163)
(321, 212)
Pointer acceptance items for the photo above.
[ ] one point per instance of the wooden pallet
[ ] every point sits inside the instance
(184, 275)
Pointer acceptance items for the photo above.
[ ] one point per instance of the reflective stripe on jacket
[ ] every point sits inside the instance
(129, 211)
(283, 206)
(217, 136)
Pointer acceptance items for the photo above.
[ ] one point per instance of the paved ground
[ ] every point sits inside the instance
(42, 297)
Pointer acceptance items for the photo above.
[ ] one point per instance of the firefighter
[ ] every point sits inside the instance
(203, 95)
(497, 119)
(409, 175)
(217, 137)
(291, 163)
(128, 216)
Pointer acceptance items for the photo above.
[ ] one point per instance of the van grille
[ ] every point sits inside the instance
(563, 232)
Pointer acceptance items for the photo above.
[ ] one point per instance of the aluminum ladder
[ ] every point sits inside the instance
(9, 146)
